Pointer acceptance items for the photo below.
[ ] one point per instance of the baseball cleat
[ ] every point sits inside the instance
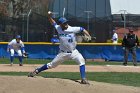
(20, 64)
(135, 64)
(84, 81)
(125, 64)
(11, 64)
(32, 74)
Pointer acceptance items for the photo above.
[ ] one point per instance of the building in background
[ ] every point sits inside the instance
(125, 14)
(94, 15)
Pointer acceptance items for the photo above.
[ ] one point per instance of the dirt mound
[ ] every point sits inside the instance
(23, 84)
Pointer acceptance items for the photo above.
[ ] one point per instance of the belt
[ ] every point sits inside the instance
(65, 51)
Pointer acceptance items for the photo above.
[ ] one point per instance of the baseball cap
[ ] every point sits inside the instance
(62, 20)
(114, 30)
(18, 36)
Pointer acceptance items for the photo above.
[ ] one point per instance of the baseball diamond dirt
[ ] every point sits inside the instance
(70, 68)
(24, 84)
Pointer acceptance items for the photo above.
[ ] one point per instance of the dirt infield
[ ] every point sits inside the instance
(70, 68)
(24, 84)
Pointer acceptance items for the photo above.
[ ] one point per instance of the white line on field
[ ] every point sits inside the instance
(123, 66)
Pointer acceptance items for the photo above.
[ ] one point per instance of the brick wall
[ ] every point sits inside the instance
(122, 31)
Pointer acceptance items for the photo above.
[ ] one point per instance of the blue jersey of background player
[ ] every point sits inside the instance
(16, 45)
(67, 37)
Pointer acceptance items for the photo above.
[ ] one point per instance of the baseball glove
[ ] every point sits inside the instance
(86, 38)
(25, 55)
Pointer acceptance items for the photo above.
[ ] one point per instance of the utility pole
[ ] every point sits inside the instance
(88, 13)
(124, 18)
(28, 16)
(23, 24)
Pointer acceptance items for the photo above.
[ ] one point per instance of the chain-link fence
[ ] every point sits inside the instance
(34, 28)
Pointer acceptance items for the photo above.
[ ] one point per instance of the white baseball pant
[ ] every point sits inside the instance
(62, 56)
(12, 52)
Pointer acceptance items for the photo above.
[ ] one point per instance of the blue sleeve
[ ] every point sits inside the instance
(8, 46)
(82, 29)
(22, 49)
(54, 24)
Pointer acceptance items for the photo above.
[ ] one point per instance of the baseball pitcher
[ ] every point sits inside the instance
(16, 45)
(67, 36)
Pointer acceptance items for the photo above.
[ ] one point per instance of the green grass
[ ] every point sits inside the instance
(129, 79)
(69, 62)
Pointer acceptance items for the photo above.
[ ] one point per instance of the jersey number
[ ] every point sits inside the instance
(70, 40)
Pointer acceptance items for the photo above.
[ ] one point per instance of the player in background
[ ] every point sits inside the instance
(67, 47)
(115, 37)
(16, 45)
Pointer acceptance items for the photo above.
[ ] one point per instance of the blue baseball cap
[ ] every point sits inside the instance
(18, 37)
(62, 20)
(114, 30)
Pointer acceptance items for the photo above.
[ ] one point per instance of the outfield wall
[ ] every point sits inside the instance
(42, 50)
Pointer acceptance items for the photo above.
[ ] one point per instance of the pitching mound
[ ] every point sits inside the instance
(22, 84)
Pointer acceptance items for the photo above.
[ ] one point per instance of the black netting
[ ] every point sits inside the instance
(37, 28)
(132, 20)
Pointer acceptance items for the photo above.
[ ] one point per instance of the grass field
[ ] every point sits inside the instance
(130, 79)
